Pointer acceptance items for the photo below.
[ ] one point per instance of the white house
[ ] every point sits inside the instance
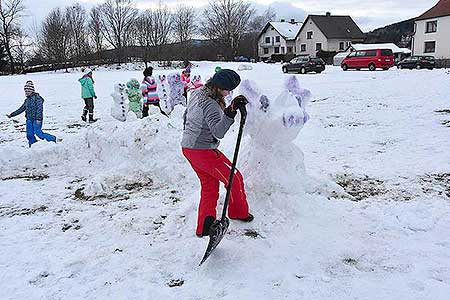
(327, 33)
(278, 38)
(432, 32)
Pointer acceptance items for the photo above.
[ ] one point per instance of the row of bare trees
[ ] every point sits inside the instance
(13, 40)
(71, 34)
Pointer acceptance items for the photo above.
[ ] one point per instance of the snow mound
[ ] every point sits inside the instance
(245, 68)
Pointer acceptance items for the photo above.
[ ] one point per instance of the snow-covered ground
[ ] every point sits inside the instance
(110, 213)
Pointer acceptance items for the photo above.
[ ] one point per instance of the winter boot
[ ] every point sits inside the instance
(206, 226)
(83, 116)
(91, 118)
(247, 220)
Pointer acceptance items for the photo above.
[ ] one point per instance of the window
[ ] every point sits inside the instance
(318, 46)
(371, 53)
(266, 50)
(277, 50)
(267, 40)
(303, 48)
(353, 54)
(431, 27)
(309, 35)
(282, 50)
(341, 45)
(360, 53)
(289, 49)
(387, 52)
(430, 47)
(277, 39)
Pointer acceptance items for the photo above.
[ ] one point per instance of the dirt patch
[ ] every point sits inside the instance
(27, 177)
(361, 188)
(6, 211)
(438, 184)
(443, 111)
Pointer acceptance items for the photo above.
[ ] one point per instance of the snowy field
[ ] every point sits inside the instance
(110, 212)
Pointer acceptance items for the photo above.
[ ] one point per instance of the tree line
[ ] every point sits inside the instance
(74, 34)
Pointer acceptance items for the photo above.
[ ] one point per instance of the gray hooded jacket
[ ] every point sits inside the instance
(204, 121)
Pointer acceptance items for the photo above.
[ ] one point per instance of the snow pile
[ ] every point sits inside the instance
(113, 151)
(245, 67)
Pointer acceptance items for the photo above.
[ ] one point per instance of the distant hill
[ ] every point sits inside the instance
(398, 33)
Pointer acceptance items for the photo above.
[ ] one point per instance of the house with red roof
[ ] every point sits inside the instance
(432, 32)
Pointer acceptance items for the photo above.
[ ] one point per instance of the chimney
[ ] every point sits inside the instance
(282, 20)
(328, 14)
(293, 21)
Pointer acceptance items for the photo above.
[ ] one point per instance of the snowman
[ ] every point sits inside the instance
(163, 93)
(176, 90)
(119, 110)
(273, 125)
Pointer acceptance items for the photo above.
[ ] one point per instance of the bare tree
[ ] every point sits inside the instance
(10, 14)
(117, 18)
(161, 25)
(95, 29)
(256, 25)
(184, 27)
(226, 22)
(142, 29)
(21, 49)
(76, 26)
(3, 58)
(54, 37)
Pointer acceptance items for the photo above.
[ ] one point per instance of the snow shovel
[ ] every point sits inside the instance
(219, 227)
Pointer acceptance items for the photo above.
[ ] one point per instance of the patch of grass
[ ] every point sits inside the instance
(252, 233)
(175, 282)
(350, 261)
(14, 211)
(28, 177)
(361, 188)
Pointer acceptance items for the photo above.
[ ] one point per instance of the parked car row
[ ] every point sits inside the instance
(417, 62)
(363, 59)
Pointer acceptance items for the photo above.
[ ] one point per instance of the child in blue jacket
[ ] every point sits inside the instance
(33, 108)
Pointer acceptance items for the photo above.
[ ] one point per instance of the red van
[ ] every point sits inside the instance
(372, 59)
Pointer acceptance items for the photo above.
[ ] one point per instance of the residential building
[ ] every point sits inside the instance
(328, 33)
(278, 38)
(432, 32)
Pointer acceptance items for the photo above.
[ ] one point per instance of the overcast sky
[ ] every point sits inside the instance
(368, 14)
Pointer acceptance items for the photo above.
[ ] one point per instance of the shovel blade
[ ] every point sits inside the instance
(216, 233)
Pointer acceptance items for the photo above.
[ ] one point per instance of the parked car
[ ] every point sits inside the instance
(417, 62)
(304, 64)
(372, 59)
(270, 61)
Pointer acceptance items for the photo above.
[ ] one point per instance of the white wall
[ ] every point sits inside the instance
(441, 37)
(272, 33)
(318, 37)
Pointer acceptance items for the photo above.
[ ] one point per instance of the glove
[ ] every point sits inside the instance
(95, 97)
(237, 103)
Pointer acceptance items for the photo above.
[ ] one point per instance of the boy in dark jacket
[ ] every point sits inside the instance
(33, 108)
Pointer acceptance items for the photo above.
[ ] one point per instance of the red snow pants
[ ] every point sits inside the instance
(213, 167)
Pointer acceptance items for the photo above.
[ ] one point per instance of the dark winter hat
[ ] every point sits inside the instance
(29, 87)
(226, 79)
(148, 71)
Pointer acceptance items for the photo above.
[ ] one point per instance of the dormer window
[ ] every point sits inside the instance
(431, 27)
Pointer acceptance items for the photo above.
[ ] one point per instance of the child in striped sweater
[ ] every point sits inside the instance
(149, 92)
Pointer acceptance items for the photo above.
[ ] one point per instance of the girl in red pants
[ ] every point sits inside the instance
(206, 120)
